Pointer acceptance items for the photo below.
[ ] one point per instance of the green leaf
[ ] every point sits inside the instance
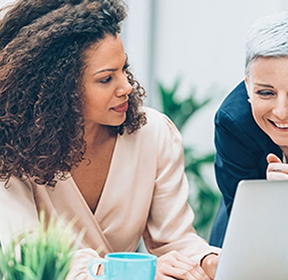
(27, 271)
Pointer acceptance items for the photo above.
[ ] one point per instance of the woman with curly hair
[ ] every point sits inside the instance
(76, 141)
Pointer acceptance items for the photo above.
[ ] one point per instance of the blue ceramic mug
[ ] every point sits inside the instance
(125, 266)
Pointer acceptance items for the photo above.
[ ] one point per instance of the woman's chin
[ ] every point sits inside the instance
(282, 143)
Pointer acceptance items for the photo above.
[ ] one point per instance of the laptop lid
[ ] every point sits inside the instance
(256, 241)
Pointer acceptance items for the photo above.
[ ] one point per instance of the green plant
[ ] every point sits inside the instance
(204, 199)
(45, 254)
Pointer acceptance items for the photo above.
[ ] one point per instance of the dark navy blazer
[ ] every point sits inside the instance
(241, 150)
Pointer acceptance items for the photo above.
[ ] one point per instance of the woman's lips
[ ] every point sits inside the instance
(122, 108)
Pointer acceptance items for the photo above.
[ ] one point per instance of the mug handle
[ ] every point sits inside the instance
(99, 261)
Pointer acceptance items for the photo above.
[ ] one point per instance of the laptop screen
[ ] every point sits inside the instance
(256, 241)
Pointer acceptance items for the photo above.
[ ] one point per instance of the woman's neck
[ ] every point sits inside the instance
(97, 135)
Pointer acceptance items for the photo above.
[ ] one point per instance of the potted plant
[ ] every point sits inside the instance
(45, 254)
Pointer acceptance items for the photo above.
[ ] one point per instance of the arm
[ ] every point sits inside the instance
(241, 149)
(169, 226)
(238, 156)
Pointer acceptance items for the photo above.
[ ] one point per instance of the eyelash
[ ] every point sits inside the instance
(265, 93)
(108, 79)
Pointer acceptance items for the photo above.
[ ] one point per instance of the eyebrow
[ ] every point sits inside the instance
(110, 69)
(105, 70)
(263, 85)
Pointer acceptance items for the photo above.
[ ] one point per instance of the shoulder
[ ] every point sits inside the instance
(158, 131)
(160, 124)
(236, 106)
(16, 186)
(235, 113)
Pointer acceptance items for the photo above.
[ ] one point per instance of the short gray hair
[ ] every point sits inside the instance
(267, 37)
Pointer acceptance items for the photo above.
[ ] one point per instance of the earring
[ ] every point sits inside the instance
(249, 100)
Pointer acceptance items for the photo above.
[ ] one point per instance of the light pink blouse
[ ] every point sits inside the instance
(145, 194)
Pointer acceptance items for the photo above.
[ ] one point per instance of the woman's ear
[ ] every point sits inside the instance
(247, 88)
(246, 82)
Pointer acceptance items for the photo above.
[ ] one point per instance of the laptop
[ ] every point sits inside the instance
(256, 241)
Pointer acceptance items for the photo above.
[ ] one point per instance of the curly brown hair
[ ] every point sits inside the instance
(41, 62)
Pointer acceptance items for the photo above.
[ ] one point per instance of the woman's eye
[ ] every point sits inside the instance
(265, 93)
(106, 80)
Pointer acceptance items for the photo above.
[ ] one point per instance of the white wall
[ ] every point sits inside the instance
(200, 41)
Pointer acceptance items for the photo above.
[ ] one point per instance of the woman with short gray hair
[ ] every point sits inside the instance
(251, 125)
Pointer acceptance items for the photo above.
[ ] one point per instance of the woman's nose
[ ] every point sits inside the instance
(281, 109)
(124, 87)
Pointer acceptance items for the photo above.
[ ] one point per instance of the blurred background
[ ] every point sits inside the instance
(180, 49)
(188, 55)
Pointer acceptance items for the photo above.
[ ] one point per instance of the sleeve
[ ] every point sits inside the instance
(18, 211)
(237, 157)
(170, 223)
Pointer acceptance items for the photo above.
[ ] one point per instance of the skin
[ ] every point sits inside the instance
(276, 170)
(176, 266)
(106, 85)
(209, 264)
(267, 87)
(106, 92)
(105, 95)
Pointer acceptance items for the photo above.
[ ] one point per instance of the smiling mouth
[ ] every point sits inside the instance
(279, 125)
(121, 108)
